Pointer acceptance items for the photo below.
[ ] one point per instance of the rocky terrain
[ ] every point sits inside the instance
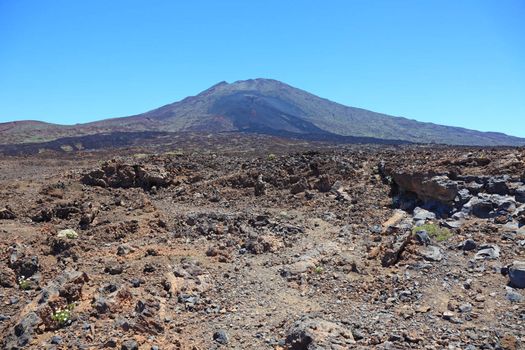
(298, 247)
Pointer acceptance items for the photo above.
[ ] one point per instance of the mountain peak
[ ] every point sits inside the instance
(258, 83)
(272, 107)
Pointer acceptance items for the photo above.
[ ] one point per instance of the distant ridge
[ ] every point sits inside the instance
(262, 106)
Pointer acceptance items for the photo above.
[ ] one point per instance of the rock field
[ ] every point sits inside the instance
(333, 247)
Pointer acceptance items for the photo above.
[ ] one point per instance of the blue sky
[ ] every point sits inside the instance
(450, 62)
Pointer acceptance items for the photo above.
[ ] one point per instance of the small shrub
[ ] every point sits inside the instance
(71, 235)
(68, 233)
(271, 157)
(436, 232)
(318, 270)
(63, 317)
(24, 283)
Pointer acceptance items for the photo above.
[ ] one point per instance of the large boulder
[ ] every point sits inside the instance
(517, 274)
(426, 186)
(487, 206)
(119, 175)
(498, 185)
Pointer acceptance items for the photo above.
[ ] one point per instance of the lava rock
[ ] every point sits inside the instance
(513, 296)
(324, 184)
(480, 208)
(221, 337)
(119, 175)
(7, 214)
(7, 277)
(520, 194)
(113, 268)
(129, 345)
(260, 186)
(431, 253)
(517, 274)
(420, 214)
(101, 305)
(56, 340)
(465, 308)
(422, 237)
(498, 185)
(468, 244)
(300, 186)
(312, 333)
(124, 249)
(488, 251)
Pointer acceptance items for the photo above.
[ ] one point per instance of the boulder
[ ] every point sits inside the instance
(498, 185)
(313, 333)
(129, 344)
(474, 187)
(300, 186)
(427, 186)
(420, 214)
(7, 214)
(513, 296)
(520, 194)
(221, 337)
(479, 207)
(324, 184)
(120, 175)
(422, 237)
(488, 251)
(394, 250)
(7, 277)
(260, 186)
(431, 253)
(517, 274)
(468, 244)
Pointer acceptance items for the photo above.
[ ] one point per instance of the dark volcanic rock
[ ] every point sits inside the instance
(312, 333)
(7, 214)
(498, 185)
(260, 186)
(300, 186)
(119, 175)
(7, 277)
(22, 333)
(324, 184)
(520, 194)
(426, 186)
(129, 345)
(517, 274)
(221, 337)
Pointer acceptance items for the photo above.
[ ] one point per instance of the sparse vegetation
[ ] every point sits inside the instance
(436, 232)
(63, 317)
(318, 270)
(71, 235)
(24, 283)
(68, 233)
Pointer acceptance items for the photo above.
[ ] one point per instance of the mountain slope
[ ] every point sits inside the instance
(270, 107)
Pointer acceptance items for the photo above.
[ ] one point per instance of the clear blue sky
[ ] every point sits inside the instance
(451, 62)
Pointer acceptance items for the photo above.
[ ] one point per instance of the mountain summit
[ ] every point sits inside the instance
(265, 106)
